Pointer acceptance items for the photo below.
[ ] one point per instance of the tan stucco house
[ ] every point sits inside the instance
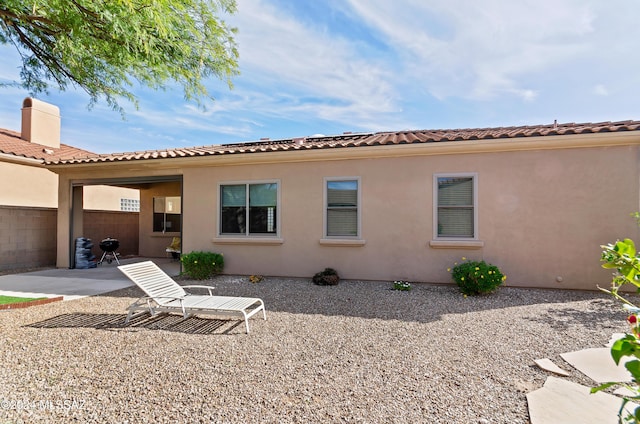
(29, 191)
(24, 181)
(538, 201)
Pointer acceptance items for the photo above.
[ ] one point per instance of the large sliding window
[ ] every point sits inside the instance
(249, 208)
(455, 198)
(167, 214)
(342, 207)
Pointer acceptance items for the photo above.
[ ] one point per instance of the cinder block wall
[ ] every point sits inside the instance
(123, 226)
(28, 234)
(27, 237)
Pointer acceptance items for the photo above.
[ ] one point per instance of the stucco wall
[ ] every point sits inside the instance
(545, 205)
(107, 198)
(23, 185)
(153, 244)
(32, 186)
(542, 215)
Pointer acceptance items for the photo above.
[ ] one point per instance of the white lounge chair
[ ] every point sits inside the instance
(163, 294)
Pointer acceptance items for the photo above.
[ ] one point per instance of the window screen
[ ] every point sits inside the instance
(455, 207)
(342, 208)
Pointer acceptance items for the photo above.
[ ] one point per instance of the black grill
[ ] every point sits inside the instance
(109, 247)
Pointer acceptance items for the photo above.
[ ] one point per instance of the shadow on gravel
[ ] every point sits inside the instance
(175, 323)
(424, 303)
(601, 312)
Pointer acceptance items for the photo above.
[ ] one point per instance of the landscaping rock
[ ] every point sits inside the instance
(357, 352)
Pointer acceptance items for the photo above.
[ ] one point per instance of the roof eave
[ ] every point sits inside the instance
(357, 152)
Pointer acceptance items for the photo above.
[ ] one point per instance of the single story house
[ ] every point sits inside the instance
(538, 201)
(29, 192)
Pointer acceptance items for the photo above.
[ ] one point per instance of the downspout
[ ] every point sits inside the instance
(181, 220)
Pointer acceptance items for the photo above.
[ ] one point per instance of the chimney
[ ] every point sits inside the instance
(40, 123)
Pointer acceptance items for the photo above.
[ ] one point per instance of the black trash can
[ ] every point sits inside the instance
(84, 257)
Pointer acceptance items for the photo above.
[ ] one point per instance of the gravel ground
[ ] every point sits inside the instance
(356, 352)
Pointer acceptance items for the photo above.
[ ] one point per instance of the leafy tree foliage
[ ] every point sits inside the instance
(104, 46)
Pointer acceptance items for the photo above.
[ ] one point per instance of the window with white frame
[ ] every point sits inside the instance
(342, 207)
(249, 208)
(455, 200)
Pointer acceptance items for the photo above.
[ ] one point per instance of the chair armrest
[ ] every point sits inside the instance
(200, 287)
(148, 299)
(161, 297)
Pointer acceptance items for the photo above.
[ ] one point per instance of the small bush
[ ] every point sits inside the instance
(401, 285)
(202, 265)
(477, 277)
(328, 277)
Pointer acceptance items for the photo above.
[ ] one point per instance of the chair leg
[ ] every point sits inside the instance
(132, 315)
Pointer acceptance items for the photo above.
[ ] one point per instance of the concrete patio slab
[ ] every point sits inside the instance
(75, 283)
(548, 365)
(561, 401)
(597, 364)
(70, 287)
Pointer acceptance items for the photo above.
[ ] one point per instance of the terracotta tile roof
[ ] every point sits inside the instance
(348, 140)
(12, 144)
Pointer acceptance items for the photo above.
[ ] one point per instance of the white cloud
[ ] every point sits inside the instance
(281, 46)
(317, 70)
(185, 118)
(480, 50)
(526, 95)
(309, 67)
(426, 54)
(600, 90)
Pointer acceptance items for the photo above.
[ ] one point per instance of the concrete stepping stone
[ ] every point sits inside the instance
(561, 401)
(597, 364)
(548, 365)
(623, 391)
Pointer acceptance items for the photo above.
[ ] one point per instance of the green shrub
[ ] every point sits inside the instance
(623, 257)
(328, 277)
(477, 277)
(401, 285)
(202, 265)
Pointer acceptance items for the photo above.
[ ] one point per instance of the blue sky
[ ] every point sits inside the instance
(326, 67)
